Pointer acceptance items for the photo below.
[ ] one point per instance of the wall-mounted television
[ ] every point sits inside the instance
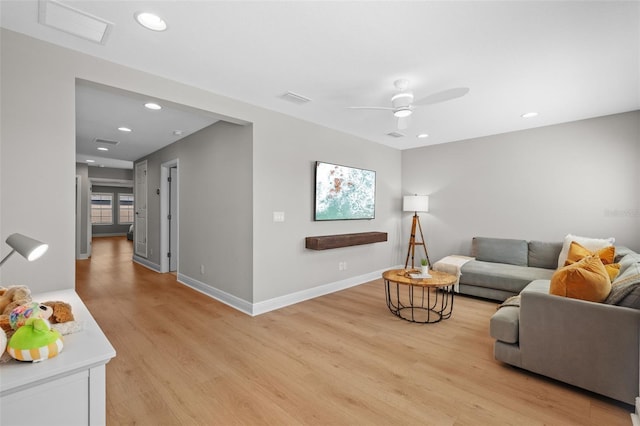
(344, 193)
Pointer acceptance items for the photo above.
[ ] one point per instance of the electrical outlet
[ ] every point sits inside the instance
(201, 269)
(342, 266)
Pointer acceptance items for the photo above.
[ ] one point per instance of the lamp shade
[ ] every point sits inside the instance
(29, 248)
(415, 203)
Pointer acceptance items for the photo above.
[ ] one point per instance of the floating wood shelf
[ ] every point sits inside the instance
(325, 242)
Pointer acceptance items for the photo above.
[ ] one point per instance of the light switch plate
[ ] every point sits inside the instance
(278, 216)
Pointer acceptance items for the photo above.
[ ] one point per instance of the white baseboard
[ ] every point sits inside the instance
(83, 256)
(221, 296)
(300, 296)
(254, 309)
(146, 263)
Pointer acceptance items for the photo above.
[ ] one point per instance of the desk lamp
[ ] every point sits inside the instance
(29, 248)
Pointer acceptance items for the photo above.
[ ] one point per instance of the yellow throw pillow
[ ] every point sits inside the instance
(613, 270)
(586, 279)
(577, 252)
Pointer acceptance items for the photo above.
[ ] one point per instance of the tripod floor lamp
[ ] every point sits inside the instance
(415, 203)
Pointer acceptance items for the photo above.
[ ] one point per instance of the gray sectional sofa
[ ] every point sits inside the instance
(503, 267)
(594, 346)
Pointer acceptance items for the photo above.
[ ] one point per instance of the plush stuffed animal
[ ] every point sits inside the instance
(35, 341)
(19, 316)
(11, 298)
(62, 319)
(61, 312)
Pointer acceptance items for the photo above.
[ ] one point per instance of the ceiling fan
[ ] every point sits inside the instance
(402, 103)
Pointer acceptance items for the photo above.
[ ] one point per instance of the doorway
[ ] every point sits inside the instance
(169, 212)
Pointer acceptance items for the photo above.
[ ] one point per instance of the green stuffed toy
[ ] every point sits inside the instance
(35, 341)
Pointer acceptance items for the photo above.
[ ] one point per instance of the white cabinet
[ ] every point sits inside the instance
(69, 389)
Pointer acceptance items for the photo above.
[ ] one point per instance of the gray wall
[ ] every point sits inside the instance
(580, 178)
(284, 153)
(115, 228)
(110, 173)
(82, 170)
(215, 206)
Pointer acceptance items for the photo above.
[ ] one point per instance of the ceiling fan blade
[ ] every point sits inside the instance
(445, 95)
(371, 107)
(403, 123)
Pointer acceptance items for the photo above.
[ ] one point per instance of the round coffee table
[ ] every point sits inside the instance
(421, 300)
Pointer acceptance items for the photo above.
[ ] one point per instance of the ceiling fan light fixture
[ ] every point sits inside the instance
(402, 96)
(402, 112)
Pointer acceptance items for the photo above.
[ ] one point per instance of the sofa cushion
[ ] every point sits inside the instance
(586, 280)
(544, 254)
(505, 323)
(588, 243)
(625, 290)
(500, 250)
(622, 251)
(510, 278)
(627, 261)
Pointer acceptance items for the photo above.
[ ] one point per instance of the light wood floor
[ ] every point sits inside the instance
(342, 359)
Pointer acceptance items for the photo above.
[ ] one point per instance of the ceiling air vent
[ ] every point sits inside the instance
(395, 134)
(106, 142)
(73, 21)
(295, 98)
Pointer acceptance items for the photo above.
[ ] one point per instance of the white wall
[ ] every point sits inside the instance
(37, 165)
(580, 178)
(38, 168)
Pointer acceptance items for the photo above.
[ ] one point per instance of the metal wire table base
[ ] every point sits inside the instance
(419, 304)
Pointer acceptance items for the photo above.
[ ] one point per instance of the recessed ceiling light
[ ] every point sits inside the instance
(152, 105)
(422, 136)
(150, 21)
(529, 115)
(102, 148)
(91, 161)
(178, 132)
(124, 129)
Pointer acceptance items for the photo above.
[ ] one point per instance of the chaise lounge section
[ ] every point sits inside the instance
(591, 345)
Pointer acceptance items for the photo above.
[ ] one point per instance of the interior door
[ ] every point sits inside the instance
(140, 201)
(173, 219)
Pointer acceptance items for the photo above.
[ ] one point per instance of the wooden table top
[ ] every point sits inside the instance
(401, 276)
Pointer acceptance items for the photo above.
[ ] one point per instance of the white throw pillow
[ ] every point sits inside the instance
(591, 244)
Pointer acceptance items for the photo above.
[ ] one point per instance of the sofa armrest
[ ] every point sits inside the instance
(591, 345)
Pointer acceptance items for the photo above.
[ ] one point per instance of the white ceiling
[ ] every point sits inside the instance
(101, 110)
(565, 60)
